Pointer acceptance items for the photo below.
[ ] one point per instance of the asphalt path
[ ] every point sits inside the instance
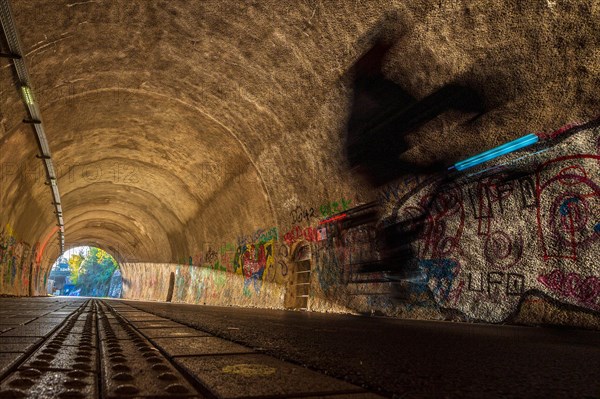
(407, 358)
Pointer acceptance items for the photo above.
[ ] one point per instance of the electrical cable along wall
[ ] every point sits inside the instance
(35, 118)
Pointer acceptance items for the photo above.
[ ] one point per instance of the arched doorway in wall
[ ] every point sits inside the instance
(298, 292)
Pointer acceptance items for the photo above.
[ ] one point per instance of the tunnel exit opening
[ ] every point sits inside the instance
(85, 271)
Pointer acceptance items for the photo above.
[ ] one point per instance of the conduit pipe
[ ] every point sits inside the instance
(15, 53)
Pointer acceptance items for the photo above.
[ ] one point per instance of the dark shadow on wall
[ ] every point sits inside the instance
(413, 248)
(417, 236)
(383, 113)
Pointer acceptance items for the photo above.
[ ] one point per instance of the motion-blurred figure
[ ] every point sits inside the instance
(383, 113)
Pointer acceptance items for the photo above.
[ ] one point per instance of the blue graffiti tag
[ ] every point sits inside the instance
(564, 207)
(441, 273)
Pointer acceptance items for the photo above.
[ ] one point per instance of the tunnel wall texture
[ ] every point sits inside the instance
(515, 240)
(207, 141)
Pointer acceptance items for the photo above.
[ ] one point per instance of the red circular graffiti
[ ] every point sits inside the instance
(572, 284)
(443, 204)
(554, 280)
(501, 250)
(560, 228)
(438, 230)
(447, 246)
(572, 175)
(498, 245)
(439, 218)
(589, 289)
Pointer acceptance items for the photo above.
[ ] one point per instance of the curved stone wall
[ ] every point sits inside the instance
(179, 129)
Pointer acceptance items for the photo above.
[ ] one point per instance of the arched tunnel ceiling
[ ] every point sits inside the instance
(175, 122)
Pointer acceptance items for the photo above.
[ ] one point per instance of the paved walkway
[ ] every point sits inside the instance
(81, 348)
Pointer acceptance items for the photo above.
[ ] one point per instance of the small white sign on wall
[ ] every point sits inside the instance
(322, 234)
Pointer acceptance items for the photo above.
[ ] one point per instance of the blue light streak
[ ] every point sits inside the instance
(497, 152)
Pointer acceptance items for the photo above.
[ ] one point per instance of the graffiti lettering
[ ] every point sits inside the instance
(298, 233)
(299, 214)
(331, 208)
(494, 283)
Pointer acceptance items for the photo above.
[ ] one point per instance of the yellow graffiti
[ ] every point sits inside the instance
(252, 253)
(10, 230)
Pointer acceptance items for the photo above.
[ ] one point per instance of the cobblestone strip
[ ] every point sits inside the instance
(63, 366)
(227, 370)
(131, 366)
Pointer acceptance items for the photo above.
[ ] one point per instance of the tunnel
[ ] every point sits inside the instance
(333, 199)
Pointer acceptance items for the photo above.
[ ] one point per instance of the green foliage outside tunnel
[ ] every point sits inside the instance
(90, 273)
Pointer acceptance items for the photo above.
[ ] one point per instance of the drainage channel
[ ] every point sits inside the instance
(216, 367)
(95, 353)
(111, 350)
(63, 365)
(132, 366)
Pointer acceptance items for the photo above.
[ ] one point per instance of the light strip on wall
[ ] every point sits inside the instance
(27, 94)
(496, 152)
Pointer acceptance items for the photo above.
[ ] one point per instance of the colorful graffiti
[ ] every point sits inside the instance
(300, 214)
(569, 206)
(253, 260)
(260, 235)
(439, 279)
(479, 243)
(279, 271)
(20, 265)
(485, 240)
(223, 273)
